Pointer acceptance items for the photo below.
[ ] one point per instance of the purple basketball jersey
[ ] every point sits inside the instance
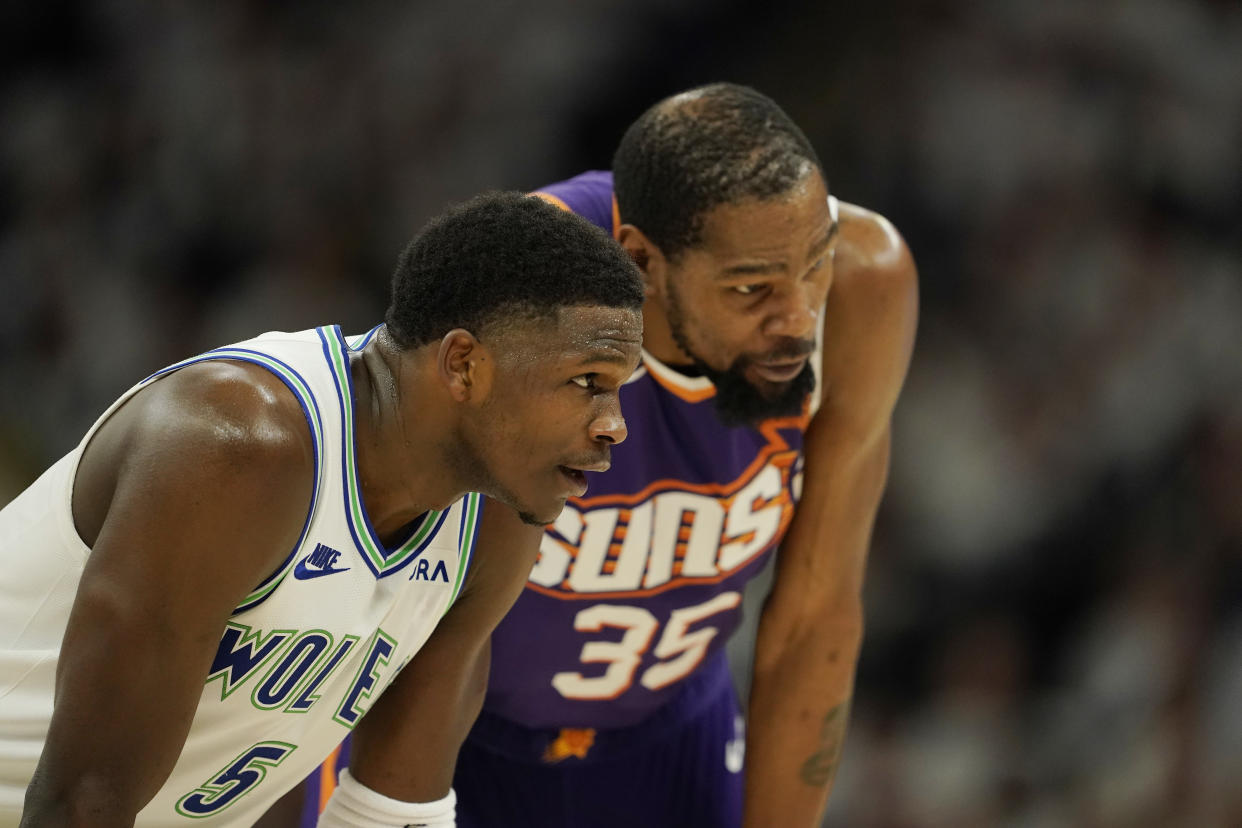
(589, 195)
(639, 582)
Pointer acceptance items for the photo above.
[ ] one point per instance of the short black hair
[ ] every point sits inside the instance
(502, 255)
(712, 145)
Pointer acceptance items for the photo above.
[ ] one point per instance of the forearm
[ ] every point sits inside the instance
(799, 708)
(406, 746)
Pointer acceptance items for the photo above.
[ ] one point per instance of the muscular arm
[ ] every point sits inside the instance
(189, 496)
(406, 746)
(811, 627)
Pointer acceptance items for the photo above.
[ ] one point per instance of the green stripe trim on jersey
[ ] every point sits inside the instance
(261, 592)
(379, 559)
(470, 522)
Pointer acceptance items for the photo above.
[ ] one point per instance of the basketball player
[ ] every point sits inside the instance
(779, 324)
(207, 594)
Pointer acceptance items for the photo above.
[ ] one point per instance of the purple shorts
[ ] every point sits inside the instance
(680, 768)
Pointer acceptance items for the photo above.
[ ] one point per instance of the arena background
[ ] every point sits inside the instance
(1054, 625)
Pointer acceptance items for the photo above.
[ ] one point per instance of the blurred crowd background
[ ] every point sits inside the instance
(1055, 592)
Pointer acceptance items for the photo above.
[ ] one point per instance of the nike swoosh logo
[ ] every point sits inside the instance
(303, 572)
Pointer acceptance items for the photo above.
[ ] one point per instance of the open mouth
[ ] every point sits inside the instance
(779, 371)
(577, 480)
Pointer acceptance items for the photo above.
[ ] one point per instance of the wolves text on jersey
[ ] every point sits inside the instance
(296, 665)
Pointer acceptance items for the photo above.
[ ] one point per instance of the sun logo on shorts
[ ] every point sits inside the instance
(571, 742)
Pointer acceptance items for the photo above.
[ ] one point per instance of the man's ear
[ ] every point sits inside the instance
(647, 255)
(465, 366)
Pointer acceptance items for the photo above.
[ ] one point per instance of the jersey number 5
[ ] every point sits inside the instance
(234, 780)
(680, 650)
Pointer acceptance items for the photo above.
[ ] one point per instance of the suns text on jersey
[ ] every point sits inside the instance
(673, 537)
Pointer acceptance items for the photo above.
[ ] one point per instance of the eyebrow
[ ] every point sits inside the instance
(603, 353)
(834, 230)
(764, 268)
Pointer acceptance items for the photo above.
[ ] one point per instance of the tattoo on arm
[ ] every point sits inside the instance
(821, 766)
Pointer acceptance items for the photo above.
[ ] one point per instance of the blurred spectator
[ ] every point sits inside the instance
(1055, 594)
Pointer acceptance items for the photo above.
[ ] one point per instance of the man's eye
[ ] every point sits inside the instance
(586, 381)
(749, 290)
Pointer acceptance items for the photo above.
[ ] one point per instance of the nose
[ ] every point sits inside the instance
(609, 426)
(795, 314)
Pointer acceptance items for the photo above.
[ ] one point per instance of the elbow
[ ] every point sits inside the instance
(830, 635)
(90, 802)
(850, 618)
(832, 614)
(838, 635)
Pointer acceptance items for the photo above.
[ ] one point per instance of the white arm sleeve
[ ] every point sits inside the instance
(353, 805)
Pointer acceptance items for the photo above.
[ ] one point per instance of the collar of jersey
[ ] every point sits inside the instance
(381, 560)
(690, 389)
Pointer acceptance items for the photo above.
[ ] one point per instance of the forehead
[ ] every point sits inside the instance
(599, 318)
(595, 332)
(797, 218)
(582, 332)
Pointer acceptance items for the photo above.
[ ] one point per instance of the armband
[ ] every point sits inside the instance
(354, 805)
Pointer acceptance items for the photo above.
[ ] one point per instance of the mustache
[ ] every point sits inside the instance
(787, 349)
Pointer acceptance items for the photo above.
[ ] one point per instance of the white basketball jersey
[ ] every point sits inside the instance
(301, 659)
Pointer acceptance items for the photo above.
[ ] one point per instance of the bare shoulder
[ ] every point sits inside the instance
(238, 400)
(212, 421)
(237, 410)
(871, 245)
(870, 320)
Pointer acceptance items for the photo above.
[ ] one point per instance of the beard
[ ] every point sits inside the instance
(738, 401)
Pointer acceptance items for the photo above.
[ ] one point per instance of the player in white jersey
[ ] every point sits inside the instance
(206, 595)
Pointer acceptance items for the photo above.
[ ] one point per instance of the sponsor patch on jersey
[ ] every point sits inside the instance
(423, 571)
(321, 561)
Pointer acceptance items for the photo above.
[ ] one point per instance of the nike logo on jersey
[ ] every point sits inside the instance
(319, 562)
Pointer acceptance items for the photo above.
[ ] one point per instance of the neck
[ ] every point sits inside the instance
(401, 473)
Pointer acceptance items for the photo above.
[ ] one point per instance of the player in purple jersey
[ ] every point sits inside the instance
(778, 329)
